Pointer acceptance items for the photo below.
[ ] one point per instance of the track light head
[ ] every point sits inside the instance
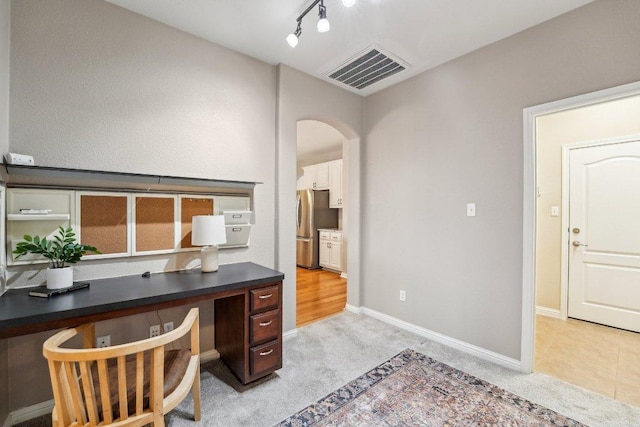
(292, 38)
(323, 22)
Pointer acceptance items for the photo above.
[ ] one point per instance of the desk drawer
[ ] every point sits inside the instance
(264, 327)
(265, 358)
(264, 298)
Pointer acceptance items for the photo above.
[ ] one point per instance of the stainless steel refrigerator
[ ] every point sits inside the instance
(313, 212)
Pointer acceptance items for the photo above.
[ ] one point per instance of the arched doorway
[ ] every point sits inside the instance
(322, 238)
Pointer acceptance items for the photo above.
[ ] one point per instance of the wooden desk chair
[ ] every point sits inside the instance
(128, 384)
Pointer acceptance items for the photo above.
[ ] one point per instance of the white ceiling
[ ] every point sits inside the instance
(422, 33)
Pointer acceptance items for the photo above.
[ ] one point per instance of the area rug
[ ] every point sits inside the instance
(412, 389)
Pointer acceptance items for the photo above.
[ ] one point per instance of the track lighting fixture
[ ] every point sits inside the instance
(323, 23)
(292, 38)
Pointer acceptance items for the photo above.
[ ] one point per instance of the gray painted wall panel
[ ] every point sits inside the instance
(453, 135)
(99, 87)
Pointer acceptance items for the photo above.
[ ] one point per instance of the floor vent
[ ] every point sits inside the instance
(367, 67)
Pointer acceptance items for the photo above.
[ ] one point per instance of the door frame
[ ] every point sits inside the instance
(564, 259)
(530, 114)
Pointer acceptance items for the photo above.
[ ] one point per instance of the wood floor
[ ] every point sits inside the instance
(598, 358)
(319, 294)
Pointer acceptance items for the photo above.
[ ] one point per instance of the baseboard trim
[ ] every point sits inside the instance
(291, 333)
(465, 347)
(209, 355)
(343, 275)
(29, 412)
(353, 309)
(549, 312)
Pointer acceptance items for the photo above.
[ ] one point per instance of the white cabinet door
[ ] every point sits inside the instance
(316, 177)
(335, 184)
(336, 255)
(325, 253)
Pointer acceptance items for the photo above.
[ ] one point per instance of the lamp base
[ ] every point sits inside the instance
(209, 259)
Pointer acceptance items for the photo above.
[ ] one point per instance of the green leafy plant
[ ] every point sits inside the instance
(62, 249)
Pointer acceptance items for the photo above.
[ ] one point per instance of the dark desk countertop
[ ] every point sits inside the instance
(19, 310)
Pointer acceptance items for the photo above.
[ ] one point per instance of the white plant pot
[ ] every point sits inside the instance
(59, 278)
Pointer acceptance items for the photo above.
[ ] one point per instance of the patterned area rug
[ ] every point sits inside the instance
(412, 389)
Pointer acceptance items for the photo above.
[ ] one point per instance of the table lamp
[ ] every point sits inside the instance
(208, 231)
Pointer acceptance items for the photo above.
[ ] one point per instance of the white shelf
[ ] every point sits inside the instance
(43, 217)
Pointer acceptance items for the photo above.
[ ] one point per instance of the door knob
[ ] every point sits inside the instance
(576, 243)
(576, 230)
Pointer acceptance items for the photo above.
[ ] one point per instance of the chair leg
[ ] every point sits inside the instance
(196, 396)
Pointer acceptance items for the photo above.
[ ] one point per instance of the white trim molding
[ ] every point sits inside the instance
(209, 355)
(343, 275)
(465, 347)
(291, 333)
(529, 194)
(353, 309)
(550, 312)
(29, 412)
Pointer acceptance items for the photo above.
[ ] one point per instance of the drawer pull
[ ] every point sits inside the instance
(265, 296)
(266, 323)
(236, 229)
(266, 353)
(236, 216)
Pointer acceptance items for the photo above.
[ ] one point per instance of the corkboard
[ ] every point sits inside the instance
(189, 208)
(103, 223)
(154, 224)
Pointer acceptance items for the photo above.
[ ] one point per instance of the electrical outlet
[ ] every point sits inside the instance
(403, 296)
(168, 326)
(154, 331)
(104, 341)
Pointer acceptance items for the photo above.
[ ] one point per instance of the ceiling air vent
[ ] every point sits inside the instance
(367, 67)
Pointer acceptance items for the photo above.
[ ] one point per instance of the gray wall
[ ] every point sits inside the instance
(99, 87)
(302, 97)
(96, 86)
(453, 135)
(4, 147)
(5, 7)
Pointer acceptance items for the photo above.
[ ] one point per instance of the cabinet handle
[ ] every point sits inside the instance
(236, 216)
(266, 323)
(265, 296)
(236, 229)
(266, 353)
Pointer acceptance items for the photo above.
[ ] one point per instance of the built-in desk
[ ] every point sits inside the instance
(247, 311)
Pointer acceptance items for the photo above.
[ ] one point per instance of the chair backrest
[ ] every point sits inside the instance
(122, 384)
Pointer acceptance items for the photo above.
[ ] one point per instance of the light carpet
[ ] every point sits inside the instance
(325, 355)
(412, 389)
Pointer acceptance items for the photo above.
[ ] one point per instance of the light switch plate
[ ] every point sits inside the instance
(471, 209)
(555, 211)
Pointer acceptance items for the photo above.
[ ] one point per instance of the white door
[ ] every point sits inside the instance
(604, 234)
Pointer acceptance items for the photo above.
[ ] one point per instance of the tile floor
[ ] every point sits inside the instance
(598, 358)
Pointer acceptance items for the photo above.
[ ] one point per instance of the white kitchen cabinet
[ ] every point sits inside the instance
(331, 249)
(335, 184)
(316, 177)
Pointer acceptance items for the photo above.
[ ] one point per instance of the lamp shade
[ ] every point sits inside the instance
(208, 230)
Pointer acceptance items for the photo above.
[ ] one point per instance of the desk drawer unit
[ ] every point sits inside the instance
(264, 327)
(265, 298)
(265, 358)
(248, 331)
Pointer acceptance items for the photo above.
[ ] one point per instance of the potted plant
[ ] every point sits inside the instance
(62, 249)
